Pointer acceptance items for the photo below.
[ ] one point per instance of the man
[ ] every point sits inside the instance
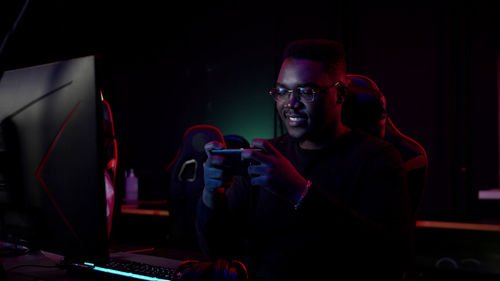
(326, 202)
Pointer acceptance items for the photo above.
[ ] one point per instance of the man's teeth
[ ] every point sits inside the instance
(295, 118)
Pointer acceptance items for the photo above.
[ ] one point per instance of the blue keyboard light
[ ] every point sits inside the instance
(123, 273)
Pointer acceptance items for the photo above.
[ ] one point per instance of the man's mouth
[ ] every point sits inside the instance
(295, 119)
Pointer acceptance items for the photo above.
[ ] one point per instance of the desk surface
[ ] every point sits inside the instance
(32, 265)
(458, 225)
(39, 265)
(134, 210)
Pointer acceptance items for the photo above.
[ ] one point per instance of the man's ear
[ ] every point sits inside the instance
(341, 93)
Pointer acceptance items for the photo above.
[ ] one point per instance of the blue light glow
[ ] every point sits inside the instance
(126, 274)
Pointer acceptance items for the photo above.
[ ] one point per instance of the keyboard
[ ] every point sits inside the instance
(134, 270)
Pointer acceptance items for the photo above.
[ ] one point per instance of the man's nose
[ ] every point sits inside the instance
(294, 100)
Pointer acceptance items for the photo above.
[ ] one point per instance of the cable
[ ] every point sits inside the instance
(7, 35)
(140, 251)
(14, 26)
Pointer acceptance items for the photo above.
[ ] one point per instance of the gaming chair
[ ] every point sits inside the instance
(365, 108)
(110, 160)
(185, 173)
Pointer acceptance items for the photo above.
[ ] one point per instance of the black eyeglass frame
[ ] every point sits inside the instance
(274, 93)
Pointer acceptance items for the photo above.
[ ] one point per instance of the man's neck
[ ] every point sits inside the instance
(325, 140)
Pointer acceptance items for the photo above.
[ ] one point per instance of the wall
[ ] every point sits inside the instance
(197, 62)
(435, 63)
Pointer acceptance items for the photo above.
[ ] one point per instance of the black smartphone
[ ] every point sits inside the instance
(236, 165)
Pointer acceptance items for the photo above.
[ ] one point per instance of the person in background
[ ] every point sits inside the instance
(324, 202)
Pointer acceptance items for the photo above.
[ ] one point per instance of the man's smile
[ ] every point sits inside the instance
(295, 119)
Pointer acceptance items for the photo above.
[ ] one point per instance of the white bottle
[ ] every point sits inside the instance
(131, 188)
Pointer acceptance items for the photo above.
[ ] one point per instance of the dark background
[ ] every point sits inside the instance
(171, 65)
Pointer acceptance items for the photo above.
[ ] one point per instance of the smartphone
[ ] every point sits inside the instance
(236, 165)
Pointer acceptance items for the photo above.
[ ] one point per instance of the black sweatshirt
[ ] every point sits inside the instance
(353, 224)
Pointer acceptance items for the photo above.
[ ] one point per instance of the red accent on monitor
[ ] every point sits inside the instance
(42, 165)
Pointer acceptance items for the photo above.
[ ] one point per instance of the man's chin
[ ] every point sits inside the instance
(297, 133)
(305, 134)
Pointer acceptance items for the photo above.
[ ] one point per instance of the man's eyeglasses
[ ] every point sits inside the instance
(305, 94)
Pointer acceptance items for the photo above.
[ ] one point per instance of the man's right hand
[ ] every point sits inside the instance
(214, 174)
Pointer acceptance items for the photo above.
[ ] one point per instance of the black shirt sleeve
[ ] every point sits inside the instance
(378, 222)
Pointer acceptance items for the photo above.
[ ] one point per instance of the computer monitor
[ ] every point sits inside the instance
(52, 193)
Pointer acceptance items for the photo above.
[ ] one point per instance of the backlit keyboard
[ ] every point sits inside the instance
(135, 270)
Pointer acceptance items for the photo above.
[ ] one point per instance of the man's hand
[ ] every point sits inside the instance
(214, 174)
(275, 173)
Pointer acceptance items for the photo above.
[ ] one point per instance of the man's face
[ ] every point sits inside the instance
(307, 120)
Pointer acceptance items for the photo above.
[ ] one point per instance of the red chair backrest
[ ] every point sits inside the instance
(186, 183)
(365, 108)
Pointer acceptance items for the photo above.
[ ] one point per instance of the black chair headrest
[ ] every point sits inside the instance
(365, 106)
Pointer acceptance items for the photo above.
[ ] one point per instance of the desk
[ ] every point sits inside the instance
(32, 265)
(134, 210)
(458, 225)
(43, 266)
(141, 221)
(447, 250)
